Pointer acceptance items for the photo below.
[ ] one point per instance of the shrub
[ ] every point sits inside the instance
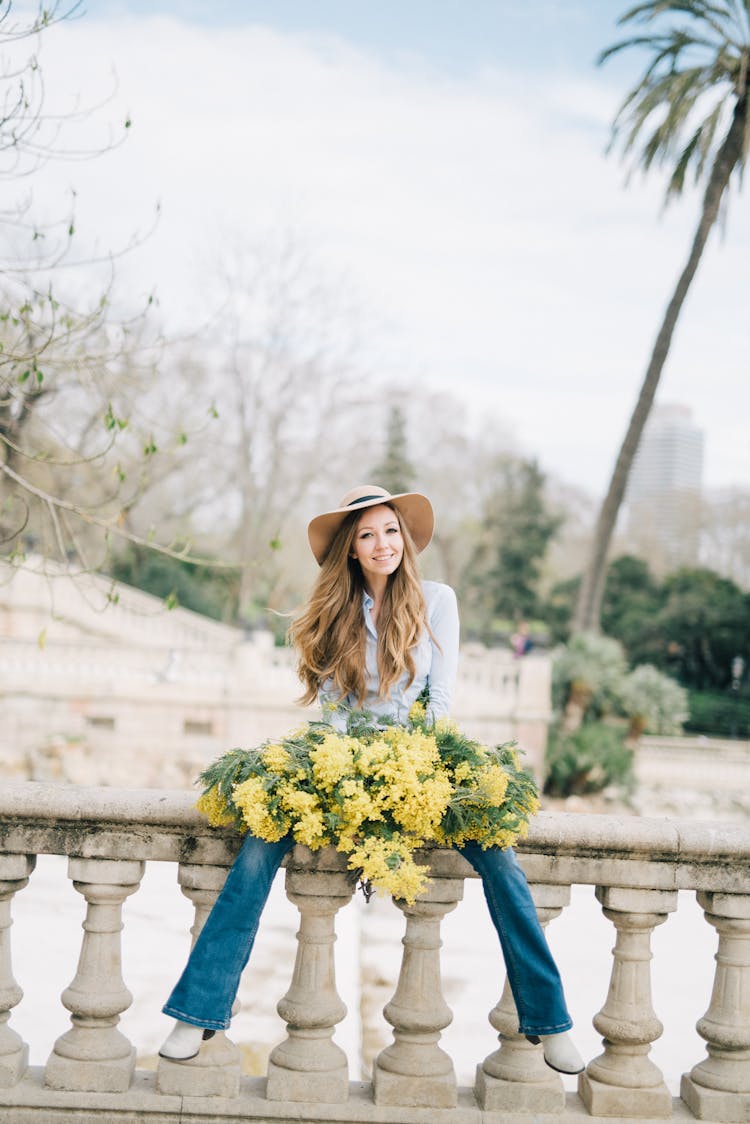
(653, 702)
(722, 715)
(593, 664)
(588, 760)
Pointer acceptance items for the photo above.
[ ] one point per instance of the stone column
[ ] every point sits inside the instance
(719, 1087)
(94, 1055)
(217, 1068)
(414, 1071)
(14, 1053)
(308, 1065)
(623, 1081)
(516, 1078)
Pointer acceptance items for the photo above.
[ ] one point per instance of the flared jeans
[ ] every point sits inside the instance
(206, 990)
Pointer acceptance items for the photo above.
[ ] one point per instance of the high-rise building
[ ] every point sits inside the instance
(664, 491)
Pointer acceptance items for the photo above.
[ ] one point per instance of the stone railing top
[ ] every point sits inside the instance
(35, 800)
(48, 587)
(560, 833)
(560, 848)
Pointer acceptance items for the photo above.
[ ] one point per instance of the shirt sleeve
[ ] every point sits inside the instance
(443, 620)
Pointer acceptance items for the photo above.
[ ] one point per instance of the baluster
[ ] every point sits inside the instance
(308, 1065)
(216, 1069)
(94, 1055)
(516, 1077)
(14, 1053)
(414, 1071)
(623, 1081)
(719, 1086)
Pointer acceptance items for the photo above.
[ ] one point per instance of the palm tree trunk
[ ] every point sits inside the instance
(586, 617)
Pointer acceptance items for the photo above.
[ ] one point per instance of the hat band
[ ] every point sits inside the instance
(366, 499)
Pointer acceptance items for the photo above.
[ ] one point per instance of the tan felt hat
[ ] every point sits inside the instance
(414, 508)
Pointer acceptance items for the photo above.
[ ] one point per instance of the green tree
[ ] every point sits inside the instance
(691, 625)
(688, 112)
(516, 526)
(630, 606)
(395, 471)
(632, 599)
(703, 625)
(557, 610)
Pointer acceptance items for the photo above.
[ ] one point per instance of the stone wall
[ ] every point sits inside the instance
(700, 777)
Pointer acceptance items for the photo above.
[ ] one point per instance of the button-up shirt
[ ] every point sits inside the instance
(435, 664)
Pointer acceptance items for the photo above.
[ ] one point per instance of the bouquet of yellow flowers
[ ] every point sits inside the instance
(376, 792)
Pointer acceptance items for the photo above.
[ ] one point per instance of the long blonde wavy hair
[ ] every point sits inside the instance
(329, 635)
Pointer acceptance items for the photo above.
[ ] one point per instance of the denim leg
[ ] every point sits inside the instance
(532, 973)
(205, 992)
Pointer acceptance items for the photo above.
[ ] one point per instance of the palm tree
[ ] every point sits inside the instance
(689, 111)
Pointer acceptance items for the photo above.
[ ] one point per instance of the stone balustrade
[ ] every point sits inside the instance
(637, 866)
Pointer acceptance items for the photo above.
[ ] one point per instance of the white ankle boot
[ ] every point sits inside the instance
(184, 1042)
(559, 1052)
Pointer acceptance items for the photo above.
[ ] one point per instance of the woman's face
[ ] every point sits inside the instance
(378, 544)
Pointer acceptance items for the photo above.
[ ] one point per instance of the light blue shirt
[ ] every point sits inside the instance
(435, 662)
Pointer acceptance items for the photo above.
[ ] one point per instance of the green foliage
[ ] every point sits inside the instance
(516, 526)
(653, 699)
(395, 472)
(557, 610)
(691, 625)
(207, 591)
(698, 70)
(704, 624)
(592, 663)
(587, 761)
(377, 792)
(632, 598)
(722, 715)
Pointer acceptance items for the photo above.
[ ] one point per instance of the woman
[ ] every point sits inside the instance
(372, 636)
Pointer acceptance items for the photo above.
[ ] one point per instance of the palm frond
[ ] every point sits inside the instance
(663, 46)
(706, 134)
(696, 70)
(676, 95)
(677, 179)
(696, 9)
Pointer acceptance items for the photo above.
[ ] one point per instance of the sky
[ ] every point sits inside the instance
(445, 164)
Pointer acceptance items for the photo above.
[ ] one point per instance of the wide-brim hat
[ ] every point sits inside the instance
(414, 508)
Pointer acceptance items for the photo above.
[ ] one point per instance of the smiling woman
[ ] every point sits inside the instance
(383, 774)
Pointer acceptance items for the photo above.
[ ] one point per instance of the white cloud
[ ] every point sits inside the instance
(493, 244)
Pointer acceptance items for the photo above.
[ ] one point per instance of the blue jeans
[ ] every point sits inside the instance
(205, 992)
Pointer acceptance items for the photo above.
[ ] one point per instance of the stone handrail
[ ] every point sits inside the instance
(636, 865)
(41, 586)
